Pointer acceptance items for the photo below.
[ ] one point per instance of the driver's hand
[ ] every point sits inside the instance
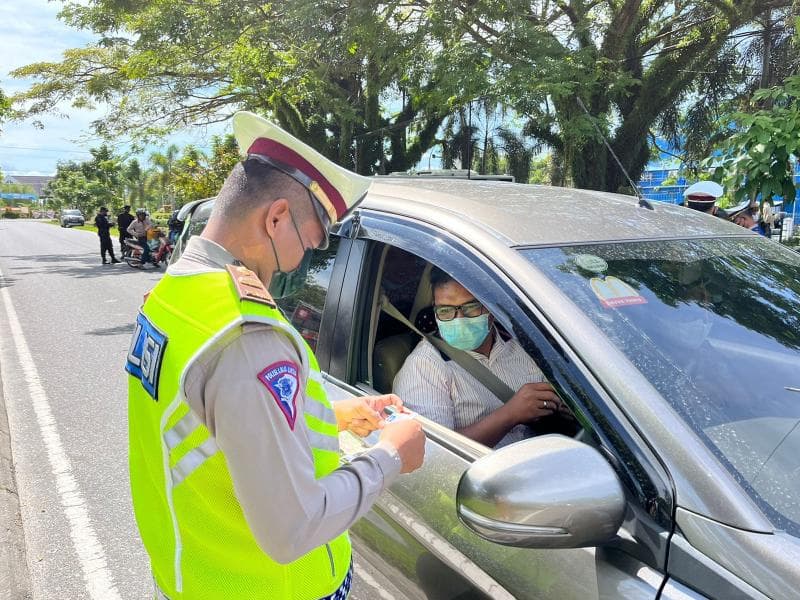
(532, 402)
(364, 415)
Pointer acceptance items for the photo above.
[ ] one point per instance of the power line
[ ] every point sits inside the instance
(60, 150)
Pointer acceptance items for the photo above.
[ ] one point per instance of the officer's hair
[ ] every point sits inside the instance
(701, 206)
(252, 184)
(439, 278)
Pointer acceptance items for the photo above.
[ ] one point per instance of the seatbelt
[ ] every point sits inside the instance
(472, 366)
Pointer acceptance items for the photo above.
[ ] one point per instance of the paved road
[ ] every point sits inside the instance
(65, 322)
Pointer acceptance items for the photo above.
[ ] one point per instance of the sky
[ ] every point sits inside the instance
(30, 31)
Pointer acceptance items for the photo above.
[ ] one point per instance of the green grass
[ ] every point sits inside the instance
(57, 223)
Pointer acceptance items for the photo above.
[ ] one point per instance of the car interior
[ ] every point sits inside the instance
(403, 281)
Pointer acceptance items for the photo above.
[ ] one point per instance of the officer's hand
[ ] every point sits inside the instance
(363, 415)
(532, 402)
(409, 440)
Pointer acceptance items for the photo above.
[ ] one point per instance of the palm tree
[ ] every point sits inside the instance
(164, 162)
(135, 183)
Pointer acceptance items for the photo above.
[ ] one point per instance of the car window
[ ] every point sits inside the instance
(715, 327)
(430, 382)
(304, 308)
(198, 220)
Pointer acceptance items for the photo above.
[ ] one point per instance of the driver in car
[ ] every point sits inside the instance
(443, 391)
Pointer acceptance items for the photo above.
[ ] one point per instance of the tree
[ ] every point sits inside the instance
(99, 181)
(5, 108)
(224, 155)
(198, 176)
(627, 61)
(761, 56)
(163, 176)
(356, 81)
(191, 176)
(135, 179)
(758, 147)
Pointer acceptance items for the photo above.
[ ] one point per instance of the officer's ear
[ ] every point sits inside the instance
(277, 213)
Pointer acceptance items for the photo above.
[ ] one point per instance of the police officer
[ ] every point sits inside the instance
(124, 219)
(235, 473)
(703, 196)
(104, 225)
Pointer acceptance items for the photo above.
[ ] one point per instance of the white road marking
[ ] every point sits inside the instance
(373, 583)
(99, 581)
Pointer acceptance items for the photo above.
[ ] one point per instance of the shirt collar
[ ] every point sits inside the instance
(201, 247)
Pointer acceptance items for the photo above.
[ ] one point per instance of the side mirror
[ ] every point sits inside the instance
(547, 492)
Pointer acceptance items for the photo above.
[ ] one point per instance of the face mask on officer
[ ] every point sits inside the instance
(286, 283)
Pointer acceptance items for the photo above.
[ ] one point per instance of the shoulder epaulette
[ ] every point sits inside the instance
(248, 286)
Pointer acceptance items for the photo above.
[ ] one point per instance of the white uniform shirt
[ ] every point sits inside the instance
(139, 228)
(288, 510)
(446, 393)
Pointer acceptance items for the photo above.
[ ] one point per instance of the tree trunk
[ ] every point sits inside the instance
(587, 165)
(369, 146)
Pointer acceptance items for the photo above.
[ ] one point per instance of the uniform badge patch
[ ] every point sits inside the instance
(283, 382)
(145, 354)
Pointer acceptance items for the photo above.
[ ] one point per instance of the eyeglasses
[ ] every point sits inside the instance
(446, 312)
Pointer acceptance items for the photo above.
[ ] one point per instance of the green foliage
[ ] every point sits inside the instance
(198, 176)
(89, 184)
(326, 72)
(371, 84)
(541, 170)
(758, 147)
(16, 188)
(5, 109)
(628, 62)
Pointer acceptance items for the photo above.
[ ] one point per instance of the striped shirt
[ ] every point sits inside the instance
(446, 393)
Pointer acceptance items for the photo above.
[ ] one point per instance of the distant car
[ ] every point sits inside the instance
(674, 338)
(72, 217)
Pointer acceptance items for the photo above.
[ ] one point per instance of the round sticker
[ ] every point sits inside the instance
(591, 263)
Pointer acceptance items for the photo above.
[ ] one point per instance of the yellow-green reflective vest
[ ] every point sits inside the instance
(188, 515)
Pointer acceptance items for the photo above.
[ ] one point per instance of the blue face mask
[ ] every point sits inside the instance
(465, 333)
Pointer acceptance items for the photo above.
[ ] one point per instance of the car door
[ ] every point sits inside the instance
(414, 530)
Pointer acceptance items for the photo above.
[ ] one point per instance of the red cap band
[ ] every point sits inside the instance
(284, 154)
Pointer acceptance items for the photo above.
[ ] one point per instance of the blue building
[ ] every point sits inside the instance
(652, 186)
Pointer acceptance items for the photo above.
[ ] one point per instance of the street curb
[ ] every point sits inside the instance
(14, 576)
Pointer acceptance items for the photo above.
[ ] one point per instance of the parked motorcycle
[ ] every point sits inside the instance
(132, 253)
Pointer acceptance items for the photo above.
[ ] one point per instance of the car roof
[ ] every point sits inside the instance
(528, 215)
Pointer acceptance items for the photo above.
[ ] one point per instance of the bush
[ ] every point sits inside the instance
(10, 215)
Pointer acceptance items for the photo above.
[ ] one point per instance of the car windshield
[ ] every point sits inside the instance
(714, 325)
(72, 212)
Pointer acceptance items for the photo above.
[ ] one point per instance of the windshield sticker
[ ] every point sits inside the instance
(614, 293)
(591, 263)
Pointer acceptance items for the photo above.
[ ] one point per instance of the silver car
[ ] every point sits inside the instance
(674, 338)
(71, 217)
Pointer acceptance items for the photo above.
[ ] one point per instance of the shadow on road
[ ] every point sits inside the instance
(80, 266)
(118, 330)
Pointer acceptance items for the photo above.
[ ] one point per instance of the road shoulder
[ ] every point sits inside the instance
(14, 577)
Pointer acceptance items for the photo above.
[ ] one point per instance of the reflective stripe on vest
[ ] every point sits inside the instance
(191, 523)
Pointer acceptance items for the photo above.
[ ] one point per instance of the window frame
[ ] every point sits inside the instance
(644, 477)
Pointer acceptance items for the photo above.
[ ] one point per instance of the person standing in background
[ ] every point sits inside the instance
(124, 220)
(104, 226)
